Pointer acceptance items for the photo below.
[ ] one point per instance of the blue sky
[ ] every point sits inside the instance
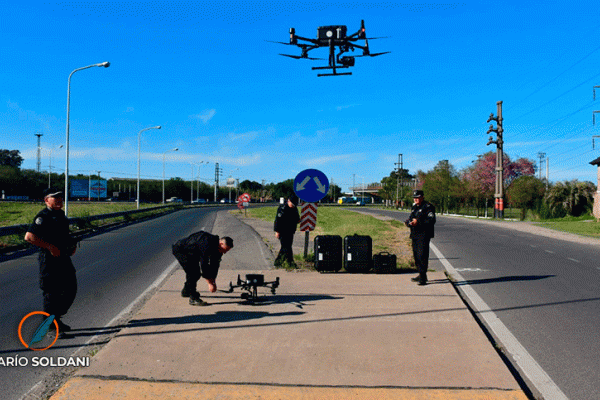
(205, 73)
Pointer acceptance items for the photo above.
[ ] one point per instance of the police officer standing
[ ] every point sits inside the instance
(285, 226)
(200, 255)
(421, 223)
(50, 232)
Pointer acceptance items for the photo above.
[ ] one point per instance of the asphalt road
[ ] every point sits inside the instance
(545, 291)
(113, 270)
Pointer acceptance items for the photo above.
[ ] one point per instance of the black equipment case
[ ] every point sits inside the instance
(358, 253)
(328, 253)
(384, 263)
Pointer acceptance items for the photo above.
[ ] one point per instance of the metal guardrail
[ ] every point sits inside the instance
(19, 229)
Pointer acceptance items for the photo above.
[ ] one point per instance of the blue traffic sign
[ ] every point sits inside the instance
(311, 185)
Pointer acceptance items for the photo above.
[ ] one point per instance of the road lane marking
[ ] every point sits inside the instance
(84, 347)
(517, 353)
(549, 251)
(574, 260)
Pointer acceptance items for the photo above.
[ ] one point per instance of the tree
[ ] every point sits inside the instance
(438, 185)
(388, 188)
(480, 178)
(570, 198)
(283, 189)
(525, 192)
(10, 180)
(334, 192)
(11, 158)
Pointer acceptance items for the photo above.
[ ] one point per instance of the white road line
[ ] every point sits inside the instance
(159, 281)
(549, 251)
(574, 260)
(518, 354)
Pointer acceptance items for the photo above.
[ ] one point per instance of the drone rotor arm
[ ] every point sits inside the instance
(272, 41)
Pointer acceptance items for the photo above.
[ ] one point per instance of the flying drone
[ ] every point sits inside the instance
(251, 284)
(333, 36)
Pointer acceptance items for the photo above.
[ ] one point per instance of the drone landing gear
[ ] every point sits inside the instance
(251, 284)
(335, 73)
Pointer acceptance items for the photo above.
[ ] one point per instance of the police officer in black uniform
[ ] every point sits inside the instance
(285, 225)
(200, 255)
(421, 223)
(50, 232)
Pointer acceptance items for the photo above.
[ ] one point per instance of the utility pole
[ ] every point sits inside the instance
(39, 149)
(499, 142)
(547, 171)
(594, 112)
(98, 185)
(541, 156)
(217, 172)
(399, 169)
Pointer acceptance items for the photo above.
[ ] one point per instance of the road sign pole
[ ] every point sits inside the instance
(306, 234)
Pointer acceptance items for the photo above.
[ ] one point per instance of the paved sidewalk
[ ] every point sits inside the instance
(322, 336)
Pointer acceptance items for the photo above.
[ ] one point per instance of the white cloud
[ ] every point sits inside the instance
(205, 115)
(343, 158)
(340, 108)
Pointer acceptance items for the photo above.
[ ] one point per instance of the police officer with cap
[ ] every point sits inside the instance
(50, 232)
(285, 225)
(421, 223)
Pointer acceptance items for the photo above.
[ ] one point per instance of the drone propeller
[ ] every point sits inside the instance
(271, 41)
(380, 37)
(374, 54)
(300, 57)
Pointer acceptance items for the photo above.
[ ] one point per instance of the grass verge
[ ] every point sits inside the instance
(390, 236)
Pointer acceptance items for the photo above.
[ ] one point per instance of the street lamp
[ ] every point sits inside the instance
(105, 64)
(164, 156)
(139, 154)
(192, 180)
(50, 165)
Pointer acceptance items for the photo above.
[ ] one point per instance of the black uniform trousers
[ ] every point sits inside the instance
(420, 247)
(58, 282)
(192, 271)
(285, 253)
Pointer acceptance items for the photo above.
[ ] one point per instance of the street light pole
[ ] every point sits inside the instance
(138, 169)
(163, 182)
(105, 64)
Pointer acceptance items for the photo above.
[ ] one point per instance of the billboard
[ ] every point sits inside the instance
(85, 188)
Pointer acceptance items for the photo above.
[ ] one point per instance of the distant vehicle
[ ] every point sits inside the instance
(224, 201)
(174, 200)
(199, 201)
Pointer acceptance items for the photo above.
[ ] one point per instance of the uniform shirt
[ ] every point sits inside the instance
(52, 226)
(286, 220)
(201, 248)
(425, 216)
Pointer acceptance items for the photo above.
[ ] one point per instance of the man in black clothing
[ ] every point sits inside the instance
(200, 255)
(285, 226)
(421, 222)
(50, 232)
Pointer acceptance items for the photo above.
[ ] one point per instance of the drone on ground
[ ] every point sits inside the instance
(333, 36)
(251, 284)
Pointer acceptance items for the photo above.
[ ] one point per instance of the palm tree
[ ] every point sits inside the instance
(570, 198)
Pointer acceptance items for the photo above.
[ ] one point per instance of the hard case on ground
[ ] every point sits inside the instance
(384, 263)
(358, 253)
(328, 253)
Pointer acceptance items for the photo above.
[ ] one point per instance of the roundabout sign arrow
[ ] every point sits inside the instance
(311, 185)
